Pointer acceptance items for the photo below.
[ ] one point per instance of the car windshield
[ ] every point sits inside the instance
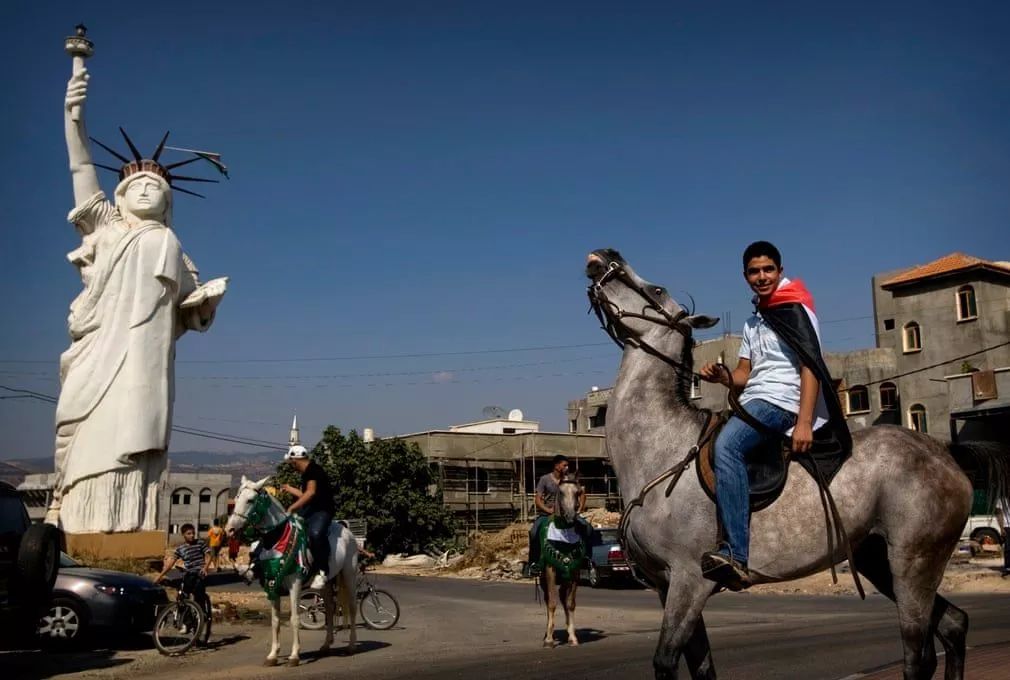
(67, 561)
(608, 537)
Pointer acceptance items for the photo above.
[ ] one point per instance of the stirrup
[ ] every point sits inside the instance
(725, 571)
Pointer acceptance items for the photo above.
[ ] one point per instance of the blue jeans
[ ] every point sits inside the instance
(317, 524)
(732, 488)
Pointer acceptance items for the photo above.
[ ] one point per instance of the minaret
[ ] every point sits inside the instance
(294, 438)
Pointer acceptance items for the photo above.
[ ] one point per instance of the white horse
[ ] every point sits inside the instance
(261, 513)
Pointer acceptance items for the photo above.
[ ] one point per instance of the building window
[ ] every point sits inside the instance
(696, 387)
(967, 310)
(917, 418)
(176, 499)
(888, 397)
(203, 527)
(481, 482)
(599, 419)
(573, 425)
(186, 498)
(173, 528)
(888, 324)
(205, 498)
(859, 400)
(912, 337)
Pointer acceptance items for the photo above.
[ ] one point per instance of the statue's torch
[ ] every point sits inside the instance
(80, 48)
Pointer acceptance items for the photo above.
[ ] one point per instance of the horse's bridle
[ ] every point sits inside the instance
(256, 513)
(610, 314)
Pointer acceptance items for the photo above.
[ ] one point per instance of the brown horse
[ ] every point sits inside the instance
(553, 585)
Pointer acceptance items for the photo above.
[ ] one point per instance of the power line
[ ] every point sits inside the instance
(942, 363)
(193, 432)
(360, 357)
(425, 355)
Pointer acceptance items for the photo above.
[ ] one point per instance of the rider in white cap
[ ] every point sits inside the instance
(314, 502)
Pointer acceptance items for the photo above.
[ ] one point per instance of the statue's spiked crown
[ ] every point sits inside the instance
(152, 165)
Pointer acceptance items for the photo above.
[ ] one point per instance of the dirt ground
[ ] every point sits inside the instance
(498, 556)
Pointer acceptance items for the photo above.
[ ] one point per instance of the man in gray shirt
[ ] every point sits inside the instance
(546, 495)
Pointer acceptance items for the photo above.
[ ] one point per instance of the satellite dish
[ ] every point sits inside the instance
(493, 412)
(515, 415)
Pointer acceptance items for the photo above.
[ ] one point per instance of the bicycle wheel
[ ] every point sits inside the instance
(177, 628)
(379, 609)
(311, 610)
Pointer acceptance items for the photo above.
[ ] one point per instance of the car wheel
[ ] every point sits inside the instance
(37, 564)
(65, 622)
(594, 577)
(986, 536)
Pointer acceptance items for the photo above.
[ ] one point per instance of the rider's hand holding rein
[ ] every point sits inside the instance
(713, 373)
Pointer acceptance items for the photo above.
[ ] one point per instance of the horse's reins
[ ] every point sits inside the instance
(620, 333)
(673, 474)
(610, 314)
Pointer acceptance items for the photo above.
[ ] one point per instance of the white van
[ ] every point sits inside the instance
(983, 529)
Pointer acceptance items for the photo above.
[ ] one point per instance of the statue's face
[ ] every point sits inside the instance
(146, 198)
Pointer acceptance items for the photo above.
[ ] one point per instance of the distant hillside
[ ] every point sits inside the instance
(251, 464)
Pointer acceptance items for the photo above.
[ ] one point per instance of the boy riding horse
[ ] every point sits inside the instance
(314, 502)
(784, 386)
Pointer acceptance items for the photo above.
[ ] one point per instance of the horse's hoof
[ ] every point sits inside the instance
(293, 661)
(573, 642)
(269, 662)
(550, 644)
(325, 649)
(351, 649)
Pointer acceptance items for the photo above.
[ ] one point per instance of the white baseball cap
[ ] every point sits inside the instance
(296, 452)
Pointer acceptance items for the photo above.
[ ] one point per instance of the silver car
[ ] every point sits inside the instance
(92, 602)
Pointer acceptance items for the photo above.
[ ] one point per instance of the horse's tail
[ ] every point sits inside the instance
(987, 464)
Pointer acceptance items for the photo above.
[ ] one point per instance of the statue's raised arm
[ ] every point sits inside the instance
(82, 169)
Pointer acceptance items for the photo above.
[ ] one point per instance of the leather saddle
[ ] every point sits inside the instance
(767, 466)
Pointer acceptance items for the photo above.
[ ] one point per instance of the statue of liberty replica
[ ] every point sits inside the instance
(141, 292)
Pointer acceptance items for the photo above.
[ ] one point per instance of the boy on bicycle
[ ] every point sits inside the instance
(195, 557)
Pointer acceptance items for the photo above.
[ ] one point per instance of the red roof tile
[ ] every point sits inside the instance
(948, 264)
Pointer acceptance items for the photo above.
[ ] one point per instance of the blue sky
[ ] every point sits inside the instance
(411, 180)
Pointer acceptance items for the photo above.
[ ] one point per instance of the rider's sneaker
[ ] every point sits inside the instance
(318, 581)
(724, 570)
(534, 569)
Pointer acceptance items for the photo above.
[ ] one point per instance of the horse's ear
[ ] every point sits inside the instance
(259, 484)
(245, 480)
(701, 321)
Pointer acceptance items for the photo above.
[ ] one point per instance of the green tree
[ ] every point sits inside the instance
(388, 483)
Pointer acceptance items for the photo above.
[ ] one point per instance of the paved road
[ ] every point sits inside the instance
(470, 629)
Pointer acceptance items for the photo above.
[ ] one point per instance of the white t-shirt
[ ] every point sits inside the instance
(775, 370)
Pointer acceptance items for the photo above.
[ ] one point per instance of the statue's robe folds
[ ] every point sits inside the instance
(117, 378)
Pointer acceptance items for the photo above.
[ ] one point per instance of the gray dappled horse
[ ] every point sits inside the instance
(902, 497)
(555, 588)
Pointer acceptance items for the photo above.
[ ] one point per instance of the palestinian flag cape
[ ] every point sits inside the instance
(790, 312)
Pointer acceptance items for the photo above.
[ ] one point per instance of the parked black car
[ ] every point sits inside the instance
(90, 603)
(29, 556)
(606, 558)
